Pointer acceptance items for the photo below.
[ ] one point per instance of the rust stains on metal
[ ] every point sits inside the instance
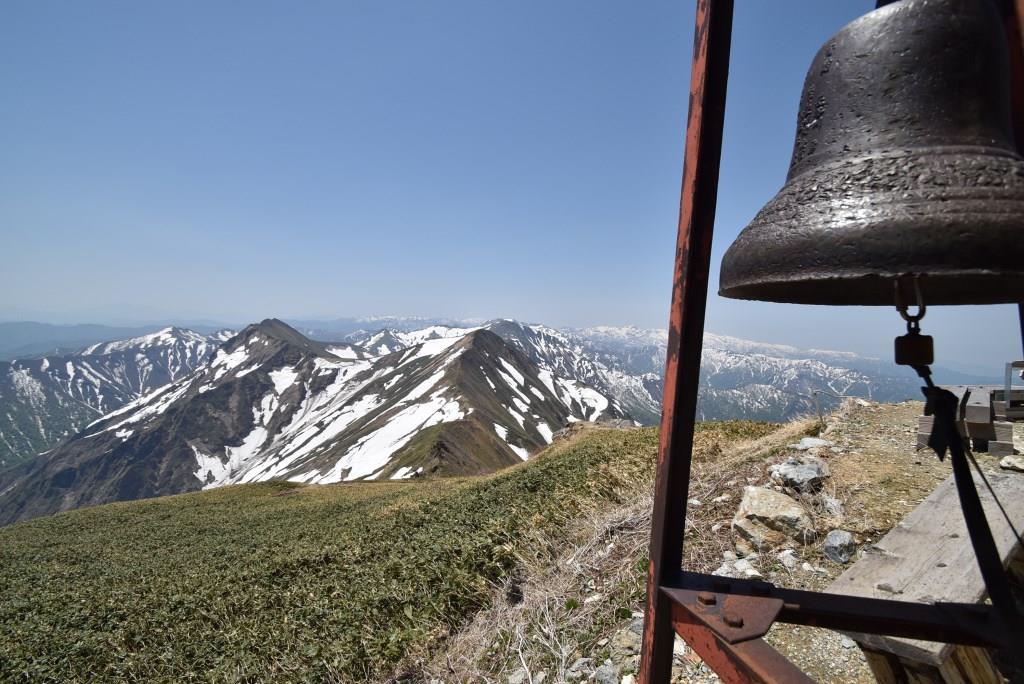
(751, 660)
(733, 617)
(962, 623)
(705, 120)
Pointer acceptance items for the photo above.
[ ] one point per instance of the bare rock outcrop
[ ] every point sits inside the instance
(767, 518)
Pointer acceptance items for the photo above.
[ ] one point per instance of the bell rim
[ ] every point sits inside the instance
(954, 214)
(873, 289)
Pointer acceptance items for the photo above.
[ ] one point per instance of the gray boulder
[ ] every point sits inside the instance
(626, 641)
(802, 473)
(1015, 463)
(737, 568)
(607, 674)
(767, 518)
(788, 559)
(832, 506)
(580, 669)
(839, 546)
(517, 677)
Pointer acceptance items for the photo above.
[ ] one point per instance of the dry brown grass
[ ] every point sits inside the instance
(563, 609)
(877, 478)
(553, 622)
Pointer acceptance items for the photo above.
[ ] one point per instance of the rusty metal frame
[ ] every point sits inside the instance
(971, 624)
(723, 620)
(705, 121)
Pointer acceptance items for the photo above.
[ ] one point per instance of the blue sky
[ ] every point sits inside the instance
(232, 161)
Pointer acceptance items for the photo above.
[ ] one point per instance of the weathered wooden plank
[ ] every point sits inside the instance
(1016, 394)
(997, 430)
(978, 408)
(928, 557)
(886, 667)
(924, 430)
(960, 391)
(999, 409)
(970, 665)
(965, 665)
(1000, 448)
(924, 424)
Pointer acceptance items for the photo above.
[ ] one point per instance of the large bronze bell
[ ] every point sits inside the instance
(904, 164)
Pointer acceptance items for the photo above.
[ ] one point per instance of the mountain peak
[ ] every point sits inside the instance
(483, 338)
(275, 327)
(275, 333)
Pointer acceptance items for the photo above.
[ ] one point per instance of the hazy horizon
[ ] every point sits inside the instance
(977, 366)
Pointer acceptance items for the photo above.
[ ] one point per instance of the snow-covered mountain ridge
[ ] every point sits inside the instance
(746, 379)
(441, 399)
(45, 400)
(272, 404)
(739, 378)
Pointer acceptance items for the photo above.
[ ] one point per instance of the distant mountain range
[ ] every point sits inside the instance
(177, 410)
(739, 378)
(272, 404)
(45, 400)
(31, 340)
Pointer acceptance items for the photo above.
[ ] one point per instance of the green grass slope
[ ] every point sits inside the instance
(287, 582)
(458, 448)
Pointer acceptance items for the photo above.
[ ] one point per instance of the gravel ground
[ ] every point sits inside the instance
(879, 477)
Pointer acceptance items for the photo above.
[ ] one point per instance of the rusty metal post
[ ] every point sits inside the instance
(705, 120)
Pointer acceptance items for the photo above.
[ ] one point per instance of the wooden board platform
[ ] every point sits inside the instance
(978, 407)
(997, 430)
(928, 558)
(984, 420)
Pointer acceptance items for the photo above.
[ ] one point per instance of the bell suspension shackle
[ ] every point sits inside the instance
(913, 320)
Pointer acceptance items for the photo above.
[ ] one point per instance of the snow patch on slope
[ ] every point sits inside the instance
(283, 378)
(372, 452)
